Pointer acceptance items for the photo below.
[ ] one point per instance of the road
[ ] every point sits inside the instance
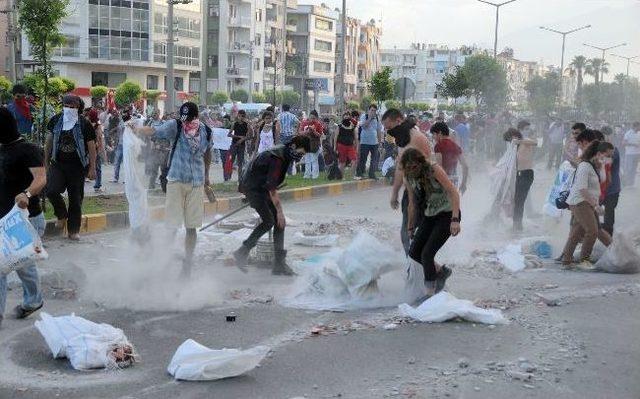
(585, 347)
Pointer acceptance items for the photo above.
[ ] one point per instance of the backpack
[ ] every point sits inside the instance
(167, 167)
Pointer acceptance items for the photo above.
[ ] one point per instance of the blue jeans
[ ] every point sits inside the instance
(31, 295)
(311, 166)
(98, 183)
(365, 150)
(117, 162)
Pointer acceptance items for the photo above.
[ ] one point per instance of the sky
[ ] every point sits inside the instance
(458, 22)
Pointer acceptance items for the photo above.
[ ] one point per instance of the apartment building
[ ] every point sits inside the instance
(369, 55)
(110, 41)
(519, 73)
(351, 56)
(425, 65)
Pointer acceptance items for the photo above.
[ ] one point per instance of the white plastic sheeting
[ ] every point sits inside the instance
(503, 181)
(20, 241)
(195, 362)
(86, 344)
(444, 306)
(512, 258)
(620, 257)
(135, 186)
(561, 183)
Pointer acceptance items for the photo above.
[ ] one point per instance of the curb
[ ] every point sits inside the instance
(100, 222)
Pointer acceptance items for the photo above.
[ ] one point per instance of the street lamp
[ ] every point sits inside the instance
(604, 50)
(628, 60)
(497, 6)
(564, 37)
(171, 90)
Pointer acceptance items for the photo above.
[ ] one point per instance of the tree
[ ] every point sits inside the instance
(219, 97)
(353, 105)
(365, 102)
(31, 81)
(381, 85)
(596, 67)
(99, 91)
(127, 93)
(579, 63)
(69, 84)
(487, 82)
(152, 95)
(5, 90)
(454, 85)
(55, 87)
(620, 79)
(259, 98)
(393, 104)
(289, 97)
(240, 95)
(40, 22)
(543, 93)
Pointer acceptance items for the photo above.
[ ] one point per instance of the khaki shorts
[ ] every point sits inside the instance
(184, 204)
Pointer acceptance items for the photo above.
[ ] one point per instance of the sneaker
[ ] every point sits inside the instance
(441, 279)
(74, 237)
(97, 190)
(586, 266)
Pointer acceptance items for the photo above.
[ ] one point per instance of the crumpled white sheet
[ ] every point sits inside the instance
(135, 180)
(443, 306)
(620, 257)
(195, 362)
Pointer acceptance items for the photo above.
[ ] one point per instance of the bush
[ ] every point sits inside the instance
(259, 98)
(152, 95)
(99, 91)
(240, 95)
(56, 88)
(5, 84)
(353, 105)
(127, 93)
(289, 97)
(32, 81)
(393, 104)
(219, 97)
(365, 102)
(70, 84)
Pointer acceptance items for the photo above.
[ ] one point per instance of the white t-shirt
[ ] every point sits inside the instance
(632, 137)
(388, 164)
(586, 178)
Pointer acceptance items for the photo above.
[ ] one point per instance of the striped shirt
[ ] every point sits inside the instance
(288, 122)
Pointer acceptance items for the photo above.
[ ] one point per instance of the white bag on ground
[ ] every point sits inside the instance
(512, 258)
(20, 241)
(415, 287)
(620, 257)
(86, 344)
(195, 362)
(328, 240)
(444, 306)
(135, 186)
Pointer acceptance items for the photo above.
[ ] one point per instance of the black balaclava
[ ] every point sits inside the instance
(402, 132)
(8, 127)
(291, 154)
(188, 111)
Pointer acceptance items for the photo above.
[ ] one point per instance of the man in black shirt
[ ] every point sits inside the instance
(238, 144)
(22, 177)
(264, 175)
(70, 156)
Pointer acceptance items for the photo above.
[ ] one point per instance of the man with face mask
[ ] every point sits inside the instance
(22, 178)
(260, 184)
(188, 173)
(69, 156)
(21, 109)
(406, 135)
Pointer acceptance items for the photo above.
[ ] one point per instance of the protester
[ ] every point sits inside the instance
(268, 134)
(449, 154)
(346, 142)
(101, 153)
(239, 135)
(117, 140)
(631, 154)
(314, 129)
(111, 133)
(288, 124)
(70, 156)
(188, 173)
(555, 144)
(570, 152)
(21, 109)
(613, 188)
(22, 179)
(524, 164)
(406, 135)
(370, 139)
(158, 154)
(432, 195)
(267, 172)
(583, 201)
(462, 132)
(389, 167)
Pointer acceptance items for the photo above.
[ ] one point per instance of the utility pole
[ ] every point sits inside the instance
(628, 60)
(564, 37)
(12, 33)
(250, 100)
(497, 6)
(343, 58)
(204, 52)
(604, 51)
(171, 81)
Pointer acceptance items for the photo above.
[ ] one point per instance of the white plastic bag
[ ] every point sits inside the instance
(20, 241)
(195, 362)
(620, 257)
(328, 240)
(562, 182)
(135, 186)
(86, 344)
(503, 182)
(444, 306)
(512, 258)
(414, 286)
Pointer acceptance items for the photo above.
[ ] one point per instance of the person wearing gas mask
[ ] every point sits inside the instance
(260, 184)
(188, 174)
(406, 135)
(69, 156)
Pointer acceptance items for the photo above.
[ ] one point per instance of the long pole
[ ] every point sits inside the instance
(251, 72)
(497, 6)
(628, 60)
(604, 50)
(171, 88)
(564, 39)
(343, 57)
(204, 53)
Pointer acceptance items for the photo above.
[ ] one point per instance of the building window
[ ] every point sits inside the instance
(152, 82)
(323, 24)
(214, 10)
(319, 66)
(258, 39)
(213, 61)
(70, 48)
(183, 55)
(178, 83)
(256, 87)
(321, 45)
(109, 79)
(256, 64)
(119, 31)
(259, 15)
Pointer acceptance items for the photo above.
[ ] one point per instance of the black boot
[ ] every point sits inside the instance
(241, 256)
(442, 277)
(280, 267)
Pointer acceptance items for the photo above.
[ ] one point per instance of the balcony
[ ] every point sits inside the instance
(240, 22)
(240, 47)
(235, 72)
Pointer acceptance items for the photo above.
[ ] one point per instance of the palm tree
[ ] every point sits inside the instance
(620, 79)
(579, 63)
(596, 67)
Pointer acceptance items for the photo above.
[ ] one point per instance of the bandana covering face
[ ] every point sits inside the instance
(402, 133)
(23, 107)
(69, 118)
(191, 131)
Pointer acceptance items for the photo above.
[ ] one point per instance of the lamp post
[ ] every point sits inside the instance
(497, 6)
(564, 37)
(628, 60)
(604, 51)
(171, 90)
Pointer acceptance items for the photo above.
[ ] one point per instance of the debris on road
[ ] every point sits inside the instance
(195, 362)
(444, 306)
(324, 240)
(86, 344)
(620, 257)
